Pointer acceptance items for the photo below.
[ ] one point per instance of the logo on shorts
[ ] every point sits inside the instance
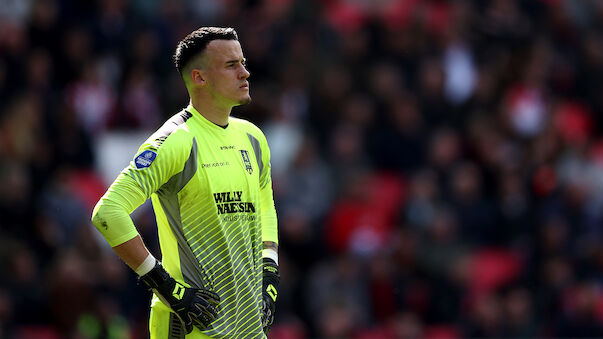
(246, 161)
(145, 159)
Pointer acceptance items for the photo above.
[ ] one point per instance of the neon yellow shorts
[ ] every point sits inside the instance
(164, 324)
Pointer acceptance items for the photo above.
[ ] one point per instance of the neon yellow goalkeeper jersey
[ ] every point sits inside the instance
(212, 195)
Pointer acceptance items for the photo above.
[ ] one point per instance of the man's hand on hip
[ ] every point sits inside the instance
(194, 306)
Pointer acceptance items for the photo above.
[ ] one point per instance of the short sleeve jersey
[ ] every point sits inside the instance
(212, 195)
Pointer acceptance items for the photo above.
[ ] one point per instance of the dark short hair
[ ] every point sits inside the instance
(196, 41)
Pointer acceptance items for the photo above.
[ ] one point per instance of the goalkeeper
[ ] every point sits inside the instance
(208, 176)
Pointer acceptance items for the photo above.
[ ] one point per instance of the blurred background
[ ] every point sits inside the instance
(437, 165)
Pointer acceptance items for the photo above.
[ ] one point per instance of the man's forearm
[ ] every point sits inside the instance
(270, 245)
(133, 252)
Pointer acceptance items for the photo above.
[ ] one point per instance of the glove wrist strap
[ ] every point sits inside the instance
(156, 277)
(271, 274)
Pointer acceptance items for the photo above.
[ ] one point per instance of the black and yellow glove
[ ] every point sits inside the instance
(269, 292)
(193, 306)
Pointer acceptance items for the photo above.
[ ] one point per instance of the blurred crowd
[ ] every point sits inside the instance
(437, 165)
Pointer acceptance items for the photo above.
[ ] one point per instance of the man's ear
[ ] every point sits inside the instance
(198, 77)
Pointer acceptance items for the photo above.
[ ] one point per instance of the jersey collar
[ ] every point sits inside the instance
(206, 122)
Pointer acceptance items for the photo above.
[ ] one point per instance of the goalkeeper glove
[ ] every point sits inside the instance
(193, 306)
(269, 292)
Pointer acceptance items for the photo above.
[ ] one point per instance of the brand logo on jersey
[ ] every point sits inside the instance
(232, 202)
(145, 159)
(246, 161)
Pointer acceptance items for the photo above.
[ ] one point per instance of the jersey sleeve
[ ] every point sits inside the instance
(156, 161)
(268, 211)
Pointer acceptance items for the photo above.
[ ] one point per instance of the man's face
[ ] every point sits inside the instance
(225, 73)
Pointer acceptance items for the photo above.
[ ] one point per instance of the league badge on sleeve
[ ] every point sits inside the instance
(145, 159)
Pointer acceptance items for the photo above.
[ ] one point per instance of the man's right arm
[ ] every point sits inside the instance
(154, 165)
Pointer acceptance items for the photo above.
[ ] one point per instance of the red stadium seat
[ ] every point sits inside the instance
(491, 268)
(441, 332)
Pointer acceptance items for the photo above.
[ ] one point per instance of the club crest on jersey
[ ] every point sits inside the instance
(246, 161)
(145, 159)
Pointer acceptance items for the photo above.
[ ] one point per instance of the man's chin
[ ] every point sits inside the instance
(245, 101)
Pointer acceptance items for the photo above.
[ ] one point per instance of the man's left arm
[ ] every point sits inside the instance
(271, 276)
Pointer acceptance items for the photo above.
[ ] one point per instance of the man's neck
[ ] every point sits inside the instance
(217, 115)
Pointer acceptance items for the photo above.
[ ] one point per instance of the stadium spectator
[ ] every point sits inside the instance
(409, 138)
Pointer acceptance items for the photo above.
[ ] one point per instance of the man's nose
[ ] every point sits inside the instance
(245, 74)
